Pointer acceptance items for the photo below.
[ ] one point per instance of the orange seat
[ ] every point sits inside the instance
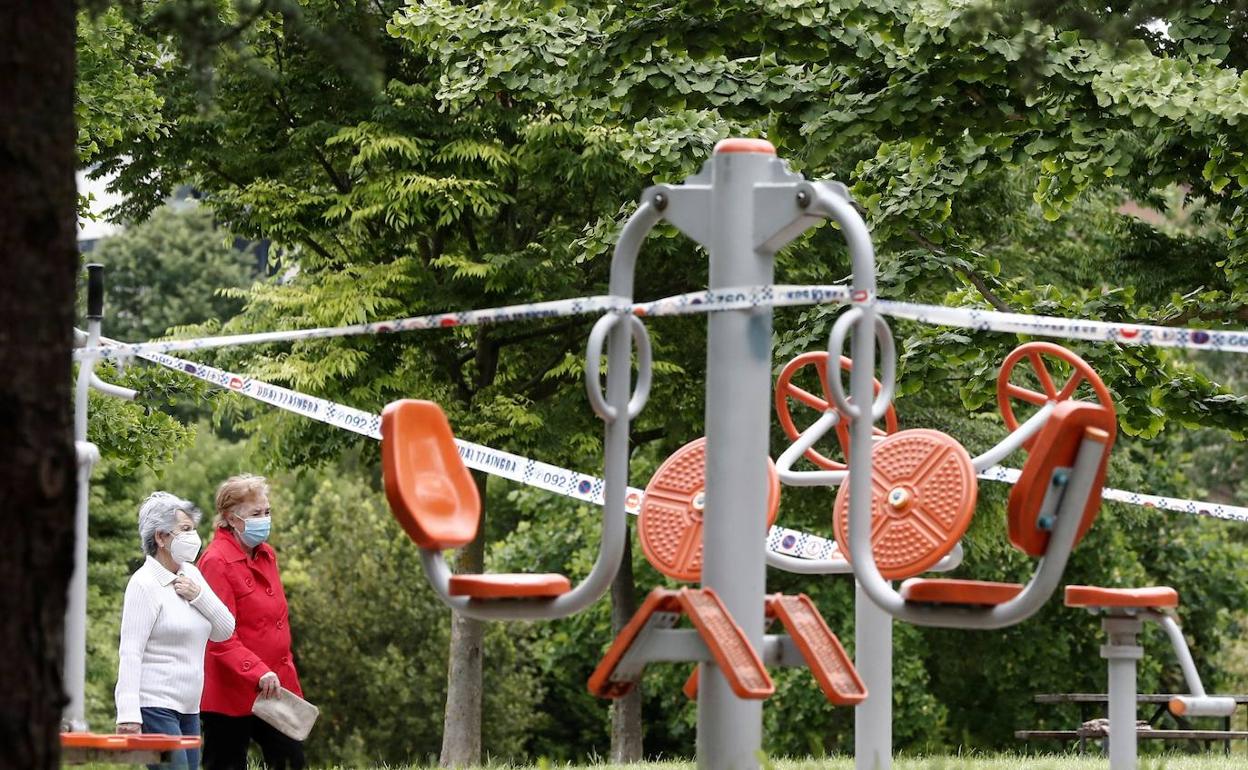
(431, 492)
(980, 593)
(509, 586)
(433, 496)
(1056, 445)
(1094, 596)
(129, 741)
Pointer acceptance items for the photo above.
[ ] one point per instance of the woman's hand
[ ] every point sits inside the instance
(185, 587)
(129, 728)
(269, 685)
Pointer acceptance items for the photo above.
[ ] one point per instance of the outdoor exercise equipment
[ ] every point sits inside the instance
(78, 746)
(146, 749)
(1035, 353)
(434, 498)
(1123, 612)
(670, 527)
(741, 207)
(923, 496)
(787, 389)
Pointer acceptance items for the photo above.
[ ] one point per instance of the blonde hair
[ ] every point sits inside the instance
(235, 491)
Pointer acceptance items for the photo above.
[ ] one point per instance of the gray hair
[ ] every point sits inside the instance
(159, 513)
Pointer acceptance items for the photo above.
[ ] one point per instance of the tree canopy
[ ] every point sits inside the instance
(484, 154)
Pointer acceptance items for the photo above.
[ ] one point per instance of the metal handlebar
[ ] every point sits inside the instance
(888, 365)
(617, 402)
(593, 365)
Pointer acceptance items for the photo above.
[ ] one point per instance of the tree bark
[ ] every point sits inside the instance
(626, 735)
(461, 724)
(38, 468)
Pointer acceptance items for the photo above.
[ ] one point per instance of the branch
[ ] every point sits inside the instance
(340, 184)
(646, 436)
(487, 359)
(563, 326)
(1182, 319)
(524, 336)
(974, 277)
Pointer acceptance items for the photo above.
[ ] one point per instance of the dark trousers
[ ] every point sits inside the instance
(169, 722)
(226, 740)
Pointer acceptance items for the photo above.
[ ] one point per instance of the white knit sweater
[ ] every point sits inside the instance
(162, 641)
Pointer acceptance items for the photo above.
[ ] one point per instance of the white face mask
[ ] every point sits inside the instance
(184, 547)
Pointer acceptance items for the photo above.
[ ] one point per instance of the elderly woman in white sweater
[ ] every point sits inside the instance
(168, 617)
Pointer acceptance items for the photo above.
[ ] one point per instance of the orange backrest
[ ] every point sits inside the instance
(1056, 445)
(431, 492)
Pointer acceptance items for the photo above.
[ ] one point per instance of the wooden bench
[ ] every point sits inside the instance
(1088, 703)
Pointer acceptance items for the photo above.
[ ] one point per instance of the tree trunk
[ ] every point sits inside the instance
(461, 724)
(626, 736)
(38, 469)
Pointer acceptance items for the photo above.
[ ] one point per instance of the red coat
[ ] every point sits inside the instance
(252, 590)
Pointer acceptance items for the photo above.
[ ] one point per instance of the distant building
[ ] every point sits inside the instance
(90, 231)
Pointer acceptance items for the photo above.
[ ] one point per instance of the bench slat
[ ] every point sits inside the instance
(1095, 697)
(1193, 735)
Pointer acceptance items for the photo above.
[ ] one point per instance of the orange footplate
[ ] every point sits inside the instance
(731, 651)
(823, 652)
(820, 648)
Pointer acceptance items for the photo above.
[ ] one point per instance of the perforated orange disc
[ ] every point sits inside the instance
(670, 523)
(923, 490)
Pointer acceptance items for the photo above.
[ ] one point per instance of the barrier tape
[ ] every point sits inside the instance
(588, 488)
(712, 300)
(733, 298)
(1231, 341)
(495, 462)
(477, 456)
(527, 312)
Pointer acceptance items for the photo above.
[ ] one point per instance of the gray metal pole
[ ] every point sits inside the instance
(873, 657)
(738, 399)
(1122, 652)
(75, 663)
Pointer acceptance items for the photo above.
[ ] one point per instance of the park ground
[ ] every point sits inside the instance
(1235, 761)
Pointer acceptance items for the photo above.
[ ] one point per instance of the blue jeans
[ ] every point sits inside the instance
(170, 722)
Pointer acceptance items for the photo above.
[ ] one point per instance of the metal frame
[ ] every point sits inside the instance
(73, 717)
(742, 206)
(1122, 625)
(616, 410)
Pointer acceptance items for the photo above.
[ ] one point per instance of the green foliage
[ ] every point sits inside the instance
(169, 271)
(189, 470)
(992, 148)
(371, 636)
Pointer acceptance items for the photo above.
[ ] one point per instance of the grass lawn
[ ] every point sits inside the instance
(1236, 761)
(1212, 761)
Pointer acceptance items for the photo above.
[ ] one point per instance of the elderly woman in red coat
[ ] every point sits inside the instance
(256, 662)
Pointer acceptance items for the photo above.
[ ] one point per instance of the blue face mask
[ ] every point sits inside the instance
(256, 530)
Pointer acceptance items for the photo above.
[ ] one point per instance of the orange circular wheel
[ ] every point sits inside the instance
(923, 492)
(786, 389)
(1035, 353)
(670, 523)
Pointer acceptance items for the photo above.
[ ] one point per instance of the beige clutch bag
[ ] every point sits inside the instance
(287, 713)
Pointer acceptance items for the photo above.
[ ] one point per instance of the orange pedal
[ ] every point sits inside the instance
(605, 682)
(690, 688)
(825, 656)
(732, 652)
(670, 524)
(922, 500)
